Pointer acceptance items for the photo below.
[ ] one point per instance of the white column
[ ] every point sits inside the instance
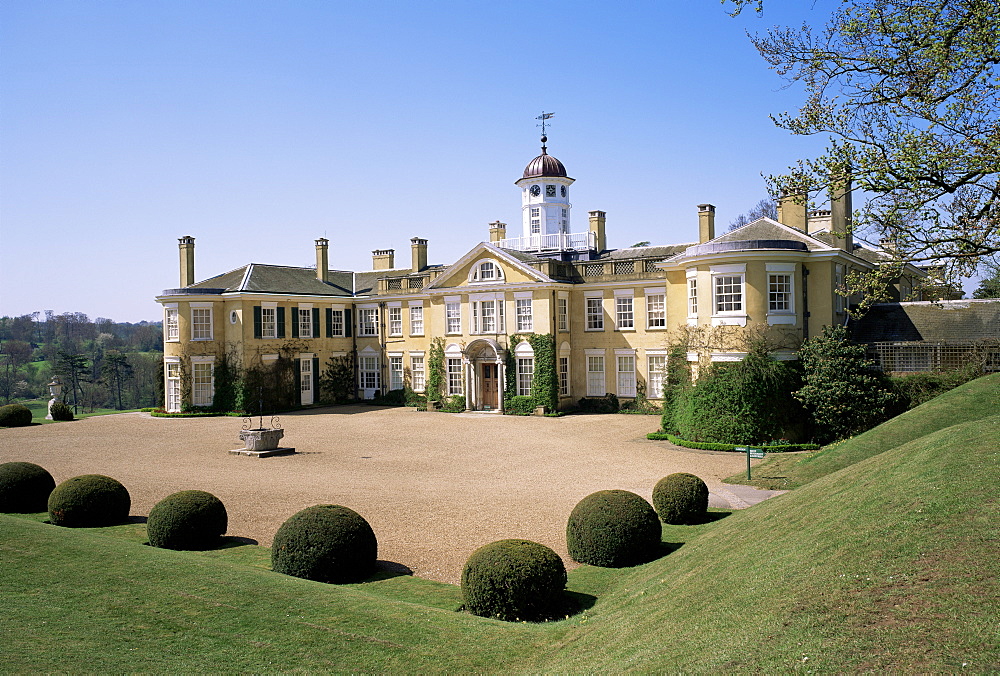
(468, 384)
(501, 379)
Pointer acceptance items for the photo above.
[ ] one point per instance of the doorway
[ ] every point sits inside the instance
(489, 377)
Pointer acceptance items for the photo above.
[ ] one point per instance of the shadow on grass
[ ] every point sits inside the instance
(230, 541)
(711, 517)
(386, 570)
(136, 519)
(577, 602)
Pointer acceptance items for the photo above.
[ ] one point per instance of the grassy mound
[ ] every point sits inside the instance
(974, 400)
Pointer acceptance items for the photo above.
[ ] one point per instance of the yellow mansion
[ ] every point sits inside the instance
(612, 313)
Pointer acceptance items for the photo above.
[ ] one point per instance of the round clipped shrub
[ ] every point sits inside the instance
(514, 580)
(187, 520)
(62, 411)
(613, 529)
(681, 498)
(24, 487)
(89, 500)
(15, 415)
(326, 543)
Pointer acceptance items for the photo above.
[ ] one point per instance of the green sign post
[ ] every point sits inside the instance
(755, 453)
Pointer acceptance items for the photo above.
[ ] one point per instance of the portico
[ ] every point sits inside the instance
(485, 371)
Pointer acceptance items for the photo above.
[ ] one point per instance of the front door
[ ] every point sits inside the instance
(306, 381)
(488, 386)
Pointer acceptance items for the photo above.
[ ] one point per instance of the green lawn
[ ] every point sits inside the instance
(40, 408)
(889, 564)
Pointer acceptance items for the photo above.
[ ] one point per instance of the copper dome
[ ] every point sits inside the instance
(544, 165)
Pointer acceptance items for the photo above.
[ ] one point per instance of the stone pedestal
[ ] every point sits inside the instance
(261, 443)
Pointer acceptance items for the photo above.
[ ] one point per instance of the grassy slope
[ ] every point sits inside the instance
(974, 400)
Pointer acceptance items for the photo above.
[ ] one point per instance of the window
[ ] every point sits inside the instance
(656, 311)
(201, 323)
(454, 376)
(368, 372)
(565, 213)
(626, 375)
(523, 306)
(416, 320)
(453, 317)
(525, 369)
(336, 322)
(536, 226)
(201, 383)
(728, 294)
(657, 370)
(595, 375)
(487, 316)
(368, 321)
(486, 271)
(395, 321)
(395, 372)
(562, 313)
(692, 296)
(305, 323)
(170, 324)
(564, 376)
(779, 293)
(534, 212)
(306, 380)
(624, 317)
(173, 386)
(595, 315)
(417, 372)
(268, 322)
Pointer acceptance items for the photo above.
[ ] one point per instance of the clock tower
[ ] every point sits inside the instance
(545, 203)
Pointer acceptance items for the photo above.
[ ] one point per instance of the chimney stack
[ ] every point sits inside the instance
(419, 250)
(322, 258)
(841, 214)
(187, 260)
(792, 211)
(597, 222)
(706, 223)
(498, 231)
(383, 259)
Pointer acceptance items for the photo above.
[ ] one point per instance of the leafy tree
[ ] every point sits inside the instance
(338, 381)
(75, 371)
(117, 371)
(909, 95)
(843, 391)
(765, 208)
(14, 355)
(989, 287)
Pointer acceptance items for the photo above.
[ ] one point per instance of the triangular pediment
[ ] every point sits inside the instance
(465, 272)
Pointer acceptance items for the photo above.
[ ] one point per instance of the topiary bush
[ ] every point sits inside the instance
(62, 411)
(15, 415)
(514, 580)
(24, 487)
(326, 543)
(681, 498)
(613, 529)
(187, 520)
(89, 500)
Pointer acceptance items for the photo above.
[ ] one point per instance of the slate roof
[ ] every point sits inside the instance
(280, 279)
(765, 228)
(955, 321)
(653, 252)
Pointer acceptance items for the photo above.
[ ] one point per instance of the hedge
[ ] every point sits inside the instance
(706, 446)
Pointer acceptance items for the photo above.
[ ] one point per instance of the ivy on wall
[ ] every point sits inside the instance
(544, 381)
(435, 370)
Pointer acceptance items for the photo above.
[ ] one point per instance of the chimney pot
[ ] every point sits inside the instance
(706, 223)
(418, 247)
(322, 258)
(186, 246)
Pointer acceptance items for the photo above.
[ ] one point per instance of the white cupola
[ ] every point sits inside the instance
(545, 203)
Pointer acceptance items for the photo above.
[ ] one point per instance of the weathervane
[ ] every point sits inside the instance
(543, 117)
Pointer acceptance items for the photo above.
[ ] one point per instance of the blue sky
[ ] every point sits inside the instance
(257, 127)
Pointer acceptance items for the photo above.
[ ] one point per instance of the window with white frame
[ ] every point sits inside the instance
(417, 381)
(395, 372)
(368, 321)
(779, 293)
(564, 376)
(595, 315)
(487, 316)
(536, 226)
(368, 376)
(728, 294)
(202, 386)
(170, 330)
(486, 271)
(453, 316)
(454, 376)
(525, 371)
(595, 375)
(201, 323)
(656, 365)
(305, 322)
(416, 320)
(562, 313)
(268, 322)
(524, 319)
(336, 322)
(656, 311)
(173, 382)
(626, 375)
(624, 315)
(692, 296)
(395, 321)
(534, 212)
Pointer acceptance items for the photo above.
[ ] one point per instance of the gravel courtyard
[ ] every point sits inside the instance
(434, 486)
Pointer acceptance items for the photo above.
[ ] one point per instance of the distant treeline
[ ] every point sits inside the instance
(101, 363)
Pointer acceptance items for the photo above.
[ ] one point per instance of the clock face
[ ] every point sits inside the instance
(535, 191)
(563, 190)
(550, 191)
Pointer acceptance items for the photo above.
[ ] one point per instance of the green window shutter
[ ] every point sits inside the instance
(257, 332)
(298, 382)
(295, 321)
(281, 322)
(347, 323)
(329, 322)
(315, 380)
(315, 314)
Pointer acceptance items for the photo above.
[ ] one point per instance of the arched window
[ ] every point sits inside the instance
(486, 271)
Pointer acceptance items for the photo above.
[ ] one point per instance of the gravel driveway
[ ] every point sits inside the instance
(434, 486)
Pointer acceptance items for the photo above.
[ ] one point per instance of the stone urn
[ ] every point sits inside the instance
(261, 439)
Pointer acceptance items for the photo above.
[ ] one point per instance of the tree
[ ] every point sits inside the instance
(14, 354)
(989, 283)
(75, 371)
(765, 208)
(909, 94)
(116, 370)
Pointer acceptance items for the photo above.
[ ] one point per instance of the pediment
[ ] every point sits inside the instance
(485, 266)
